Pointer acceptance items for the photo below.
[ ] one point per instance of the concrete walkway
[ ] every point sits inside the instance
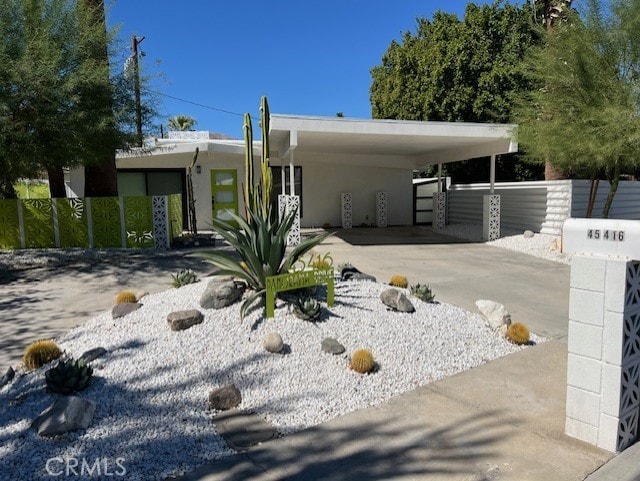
(500, 421)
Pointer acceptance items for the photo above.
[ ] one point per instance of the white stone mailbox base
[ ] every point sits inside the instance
(439, 210)
(603, 365)
(491, 217)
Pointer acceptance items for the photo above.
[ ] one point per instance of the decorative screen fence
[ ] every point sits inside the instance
(98, 222)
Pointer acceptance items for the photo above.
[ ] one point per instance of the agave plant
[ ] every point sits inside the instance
(307, 308)
(423, 292)
(68, 377)
(260, 239)
(184, 277)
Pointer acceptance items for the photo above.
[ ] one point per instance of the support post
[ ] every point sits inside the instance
(492, 174)
(347, 215)
(381, 209)
(490, 217)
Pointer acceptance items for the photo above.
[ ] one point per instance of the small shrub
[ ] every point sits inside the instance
(399, 281)
(423, 292)
(362, 361)
(518, 333)
(126, 296)
(68, 377)
(307, 308)
(40, 353)
(184, 277)
(326, 225)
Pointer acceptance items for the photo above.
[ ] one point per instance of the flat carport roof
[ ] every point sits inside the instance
(417, 143)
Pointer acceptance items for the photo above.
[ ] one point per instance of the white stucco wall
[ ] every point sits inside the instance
(323, 182)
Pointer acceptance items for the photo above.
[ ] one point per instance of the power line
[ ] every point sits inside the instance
(195, 103)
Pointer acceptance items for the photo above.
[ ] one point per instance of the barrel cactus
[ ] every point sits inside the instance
(68, 377)
(307, 308)
(362, 361)
(517, 333)
(423, 292)
(126, 296)
(398, 280)
(40, 353)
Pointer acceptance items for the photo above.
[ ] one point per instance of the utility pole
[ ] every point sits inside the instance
(135, 41)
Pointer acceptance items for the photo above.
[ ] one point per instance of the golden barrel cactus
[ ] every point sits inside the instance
(362, 361)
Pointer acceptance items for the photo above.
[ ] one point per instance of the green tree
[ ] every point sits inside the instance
(459, 70)
(584, 114)
(59, 105)
(181, 122)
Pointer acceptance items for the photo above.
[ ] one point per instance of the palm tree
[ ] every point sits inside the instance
(181, 122)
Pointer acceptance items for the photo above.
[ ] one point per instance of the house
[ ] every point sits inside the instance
(316, 158)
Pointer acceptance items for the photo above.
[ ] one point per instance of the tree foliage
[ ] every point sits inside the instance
(459, 70)
(59, 104)
(584, 114)
(181, 122)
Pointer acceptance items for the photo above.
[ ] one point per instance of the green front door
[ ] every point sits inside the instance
(224, 194)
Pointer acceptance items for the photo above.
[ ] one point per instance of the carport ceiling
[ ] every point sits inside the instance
(426, 141)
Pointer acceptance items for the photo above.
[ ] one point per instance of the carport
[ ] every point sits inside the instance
(388, 143)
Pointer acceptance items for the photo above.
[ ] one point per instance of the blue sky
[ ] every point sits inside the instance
(308, 57)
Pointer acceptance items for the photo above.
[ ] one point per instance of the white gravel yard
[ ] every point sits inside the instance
(151, 388)
(544, 246)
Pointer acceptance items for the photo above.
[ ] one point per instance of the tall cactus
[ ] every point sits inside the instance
(257, 196)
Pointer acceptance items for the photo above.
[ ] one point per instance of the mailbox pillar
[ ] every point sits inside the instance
(603, 364)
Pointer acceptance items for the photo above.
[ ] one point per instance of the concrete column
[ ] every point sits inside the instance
(603, 365)
(381, 209)
(347, 208)
(491, 217)
(286, 204)
(439, 212)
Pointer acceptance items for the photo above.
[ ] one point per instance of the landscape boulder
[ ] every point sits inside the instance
(528, 234)
(353, 274)
(332, 346)
(68, 413)
(221, 293)
(181, 320)
(124, 308)
(224, 398)
(396, 300)
(8, 376)
(272, 342)
(92, 354)
(495, 313)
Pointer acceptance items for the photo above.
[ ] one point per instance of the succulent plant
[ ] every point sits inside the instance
(40, 353)
(423, 292)
(517, 333)
(398, 280)
(126, 296)
(68, 377)
(362, 361)
(307, 308)
(184, 277)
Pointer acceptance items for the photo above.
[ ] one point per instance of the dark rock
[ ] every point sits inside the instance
(69, 413)
(8, 376)
(272, 342)
(181, 320)
(92, 354)
(221, 293)
(224, 398)
(124, 308)
(396, 300)
(332, 346)
(353, 274)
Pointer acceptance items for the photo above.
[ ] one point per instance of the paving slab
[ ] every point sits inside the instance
(243, 430)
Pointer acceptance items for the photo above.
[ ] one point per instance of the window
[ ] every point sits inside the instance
(277, 183)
